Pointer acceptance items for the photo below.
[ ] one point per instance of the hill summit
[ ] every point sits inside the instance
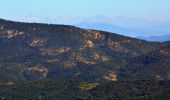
(31, 51)
(61, 62)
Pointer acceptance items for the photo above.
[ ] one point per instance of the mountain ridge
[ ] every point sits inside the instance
(42, 61)
(40, 51)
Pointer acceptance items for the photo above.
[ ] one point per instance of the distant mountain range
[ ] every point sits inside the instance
(110, 28)
(131, 32)
(157, 38)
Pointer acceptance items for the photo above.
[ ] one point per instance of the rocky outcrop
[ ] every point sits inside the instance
(117, 46)
(89, 44)
(100, 57)
(12, 33)
(43, 71)
(37, 42)
(53, 51)
(95, 35)
(111, 76)
(69, 64)
(163, 52)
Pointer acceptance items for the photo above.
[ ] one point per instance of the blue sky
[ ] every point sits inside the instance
(150, 9)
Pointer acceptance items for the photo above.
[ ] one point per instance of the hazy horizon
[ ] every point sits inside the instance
(135, 18)
(152, 9)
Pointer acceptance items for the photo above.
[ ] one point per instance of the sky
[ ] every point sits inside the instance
(148, 9)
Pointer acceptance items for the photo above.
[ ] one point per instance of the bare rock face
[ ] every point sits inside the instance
(96, 34)
(69, 64)
(164, 52)
(54, 51)
(82, 59)
(53, 60)
(41, 70)
(100, 57)
(12, 33)
(37, 42)
(89, 44)
(111, 76)
(117, 46)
